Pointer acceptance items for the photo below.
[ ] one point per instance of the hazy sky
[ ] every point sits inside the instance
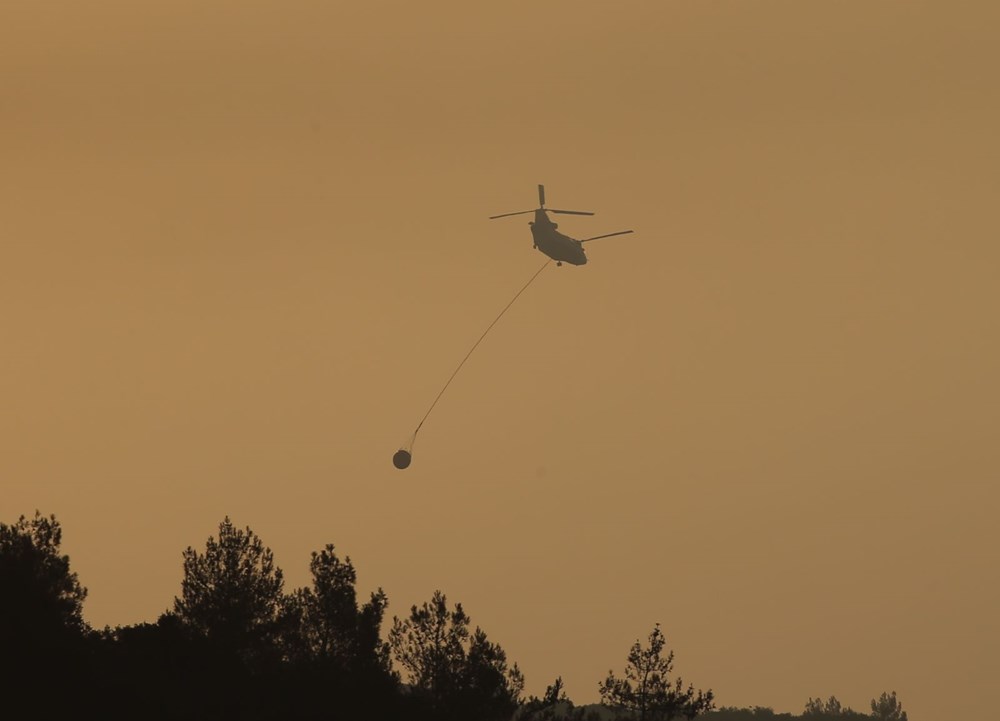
(243, 245)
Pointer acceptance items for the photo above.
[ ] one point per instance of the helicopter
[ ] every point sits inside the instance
(550, 241)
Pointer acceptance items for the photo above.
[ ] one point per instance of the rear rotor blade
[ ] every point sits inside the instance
(541, 195)
(569, 212)
(504, 215)
(608, 235)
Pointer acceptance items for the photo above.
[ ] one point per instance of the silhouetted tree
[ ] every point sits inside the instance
(888, 708)
(336, 654)
(328, 626)
(430, 645)
(554, 694)
(816, 707)
(232, 595)
(165, 661)
(489, 686)
(817, 710)
(554, 705)
(42, 631)
(462, 675)
(753, 713)
(41, 599)
(647, 690)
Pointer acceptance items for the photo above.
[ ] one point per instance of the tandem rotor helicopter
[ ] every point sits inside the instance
(558, 247)
(550, 241)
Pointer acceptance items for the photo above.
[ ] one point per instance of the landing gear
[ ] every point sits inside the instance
(558, 262)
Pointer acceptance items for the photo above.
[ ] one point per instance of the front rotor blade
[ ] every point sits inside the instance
(541, 195)
(609, 235)
(504, 215)
(569, 212)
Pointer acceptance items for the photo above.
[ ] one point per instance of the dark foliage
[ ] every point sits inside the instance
(236, 646)
(43, 650)
(754, 713)
(888, 708)
(323, 625)
(555, 705)
(232, 596)
(42, 600)
(647, 690)
(831, 710)
(454, 673)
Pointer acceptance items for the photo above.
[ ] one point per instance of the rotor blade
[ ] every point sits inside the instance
(598, 237)
(541, 195)
(504, 215)
(570, 212)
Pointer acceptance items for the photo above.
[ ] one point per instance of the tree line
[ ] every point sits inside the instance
(237, 645)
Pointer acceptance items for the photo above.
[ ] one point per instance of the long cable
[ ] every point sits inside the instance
(413, 438)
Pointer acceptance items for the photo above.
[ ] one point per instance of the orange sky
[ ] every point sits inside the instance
(243, 244)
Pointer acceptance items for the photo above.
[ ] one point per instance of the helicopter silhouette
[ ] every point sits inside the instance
(550, 241)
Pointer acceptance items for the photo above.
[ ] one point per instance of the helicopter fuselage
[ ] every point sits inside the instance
(554, 244)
